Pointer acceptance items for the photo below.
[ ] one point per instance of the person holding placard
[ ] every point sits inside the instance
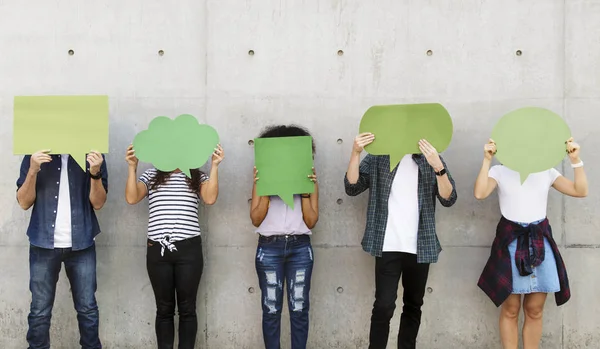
(524, 259)
(174, 257)
(61, 230)
(284, 253)
(401, 230)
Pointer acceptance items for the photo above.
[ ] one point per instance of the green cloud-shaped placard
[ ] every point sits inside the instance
(182, 143)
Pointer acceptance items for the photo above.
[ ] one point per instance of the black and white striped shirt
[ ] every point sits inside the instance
(173, 208)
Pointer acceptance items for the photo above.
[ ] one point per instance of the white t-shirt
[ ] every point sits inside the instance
(173, 207)
(403, 209)
(524, 203)
(62, 225)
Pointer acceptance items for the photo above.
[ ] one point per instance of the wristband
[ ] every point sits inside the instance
(96, 176)
(577, 165)
(305, 196)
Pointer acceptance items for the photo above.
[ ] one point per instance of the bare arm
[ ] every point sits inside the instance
(209, 190)
(26, 193)
(579, 187)
(97, 186)
(310, 204)
(484, 184)
(135, 191)
(446, 191)
(259, 205)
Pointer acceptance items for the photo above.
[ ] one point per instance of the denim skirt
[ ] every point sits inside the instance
(544, 278)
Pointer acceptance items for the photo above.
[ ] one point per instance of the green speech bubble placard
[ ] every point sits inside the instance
(398, 129)
(181, 143)
(284, 164)
(72, 125)
(530, 140)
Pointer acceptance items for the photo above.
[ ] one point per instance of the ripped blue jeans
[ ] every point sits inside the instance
(284, 261)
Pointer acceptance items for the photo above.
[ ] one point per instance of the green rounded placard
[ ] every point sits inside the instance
(182, 143)
(398, 129)
(531, 140)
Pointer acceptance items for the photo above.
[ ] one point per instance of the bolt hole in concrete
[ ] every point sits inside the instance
(251, 52)
(251, 290)
(340, 289)
(519, 52)
(340, 201)
(429, 289)
(71, 52)
(429, 52)
(340, 141)
(340, 53)
(251, 142)
(161, 52)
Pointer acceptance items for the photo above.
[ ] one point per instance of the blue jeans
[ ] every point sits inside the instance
(284, 260)
(44, 268)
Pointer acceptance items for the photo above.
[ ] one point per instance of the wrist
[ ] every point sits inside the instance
(575, 161)
(33, 171)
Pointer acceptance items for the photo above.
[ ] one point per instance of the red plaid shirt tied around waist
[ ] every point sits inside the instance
(496, 278)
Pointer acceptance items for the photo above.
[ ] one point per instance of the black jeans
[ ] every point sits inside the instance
(388, 270)
(175, 273)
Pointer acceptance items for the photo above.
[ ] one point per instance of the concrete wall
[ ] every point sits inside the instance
(297, 75)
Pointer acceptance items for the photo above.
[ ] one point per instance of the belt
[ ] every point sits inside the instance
(288, 237)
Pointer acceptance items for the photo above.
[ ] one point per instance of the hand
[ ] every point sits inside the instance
(313, 177)
(255, 175)
(489, 150)
(39, 158)
(431, 154)
(361, 141)
(130, 157)
(218, 155)
(95, 159)
(573, 151)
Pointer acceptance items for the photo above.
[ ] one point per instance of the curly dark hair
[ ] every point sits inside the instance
(286, 131)
(193, 183)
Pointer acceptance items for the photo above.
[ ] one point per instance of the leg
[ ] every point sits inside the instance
(533, 307)
(509, 321)
(269, 268)
(388, 270)
(161, 273)
(298, 274)
(188, 271)
(80, 267)
(414, 280)
(44, 267)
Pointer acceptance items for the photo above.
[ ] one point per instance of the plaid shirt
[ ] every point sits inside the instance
(496, 279)
(374, 174)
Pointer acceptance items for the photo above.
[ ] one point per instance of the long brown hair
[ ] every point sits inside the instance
(193, 183)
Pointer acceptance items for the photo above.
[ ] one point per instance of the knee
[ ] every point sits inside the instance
(384, 310)
(165, 309)
(533, 312)
(510, 311)
(187, 309)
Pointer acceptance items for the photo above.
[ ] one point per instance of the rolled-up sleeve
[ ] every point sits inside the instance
(453, 196)
(364, 178)
(24, 169)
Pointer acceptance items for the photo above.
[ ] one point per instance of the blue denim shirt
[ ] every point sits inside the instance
(84, 223)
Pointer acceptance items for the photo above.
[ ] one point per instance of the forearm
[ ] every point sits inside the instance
(259, 206)
(353, 168)
(97, 194)
(212, 186)
(131, 189)
(444, 186)
(310, 208)
(581, 183)
(27, 193)
(481, 182)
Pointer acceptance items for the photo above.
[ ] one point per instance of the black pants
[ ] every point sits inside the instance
(178, 274)
(388, 270)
